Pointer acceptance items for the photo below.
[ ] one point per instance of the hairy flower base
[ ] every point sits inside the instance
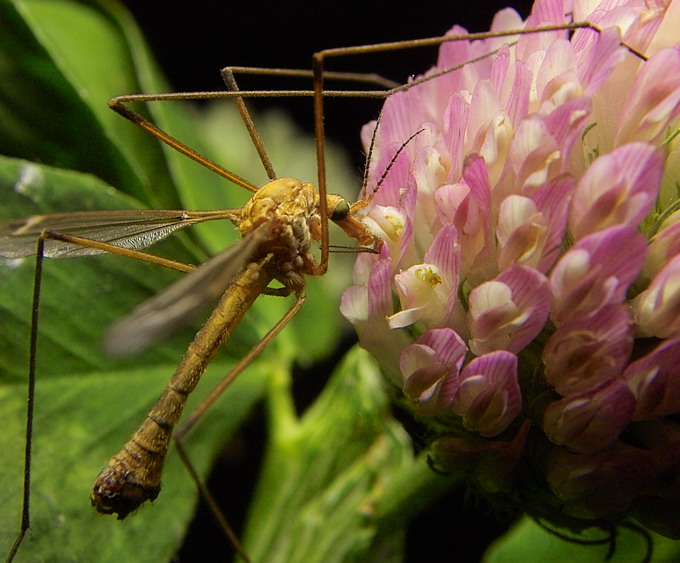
(527, 299)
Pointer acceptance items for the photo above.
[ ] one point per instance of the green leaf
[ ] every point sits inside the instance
(527, 541)
(61, 62)
(155, 174)
(80, 422)
(87, 404)
(339, 483)
(325, 472)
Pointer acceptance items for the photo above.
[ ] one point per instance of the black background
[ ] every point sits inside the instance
(192, 43)
(195, 41)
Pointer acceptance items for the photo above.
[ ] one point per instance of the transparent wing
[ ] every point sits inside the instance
(175, 306)
(135, 228)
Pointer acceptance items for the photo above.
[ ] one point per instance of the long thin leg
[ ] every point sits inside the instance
(243, 363)
(320, 74)
(132, 476)
(33, 349)
(228, 75)
(119, 250)
(30, 406)
(230, 81)
(358, 77)
(117, 104)
(209, 400)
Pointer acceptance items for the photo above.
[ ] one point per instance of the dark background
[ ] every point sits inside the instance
(192, 43)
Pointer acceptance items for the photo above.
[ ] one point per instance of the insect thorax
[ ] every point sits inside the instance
(292, 207)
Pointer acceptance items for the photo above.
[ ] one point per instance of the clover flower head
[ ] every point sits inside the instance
(528, 290)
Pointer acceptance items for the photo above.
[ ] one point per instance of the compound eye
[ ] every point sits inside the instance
(341, 209)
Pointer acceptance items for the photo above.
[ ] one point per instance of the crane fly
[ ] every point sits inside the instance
(278, 225)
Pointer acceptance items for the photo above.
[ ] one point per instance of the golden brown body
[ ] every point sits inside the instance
(284, 216)
(132, 476)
